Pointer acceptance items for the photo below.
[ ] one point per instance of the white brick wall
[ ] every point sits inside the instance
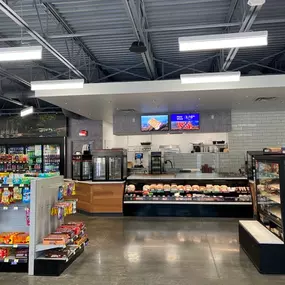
(253, 131)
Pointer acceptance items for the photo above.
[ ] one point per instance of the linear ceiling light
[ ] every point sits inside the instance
(57, 84)
(223, 41)
(21, 53)
(27, 111)
(210, 77)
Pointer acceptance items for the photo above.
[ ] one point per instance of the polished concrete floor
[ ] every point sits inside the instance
(149, 251)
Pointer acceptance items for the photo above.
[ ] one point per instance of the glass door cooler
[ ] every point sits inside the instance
(51, 155)
(2, 149)
(19, 149)
(156, 163)
(34, 154)
(110, 165)
(82, 166)
(270, 189)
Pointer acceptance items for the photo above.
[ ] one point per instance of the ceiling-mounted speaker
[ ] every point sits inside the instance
(138, 47)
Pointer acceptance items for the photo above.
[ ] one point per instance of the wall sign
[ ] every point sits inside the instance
(83, 133)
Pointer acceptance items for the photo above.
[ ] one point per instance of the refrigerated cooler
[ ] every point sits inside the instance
(82, 166)
(44, 155)
(51, 158)
(109, 165)
(34, 153)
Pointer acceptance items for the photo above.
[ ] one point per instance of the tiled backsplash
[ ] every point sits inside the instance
(250, 131)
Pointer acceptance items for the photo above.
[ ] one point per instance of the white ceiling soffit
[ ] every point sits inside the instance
(170, 96)
(164, 86)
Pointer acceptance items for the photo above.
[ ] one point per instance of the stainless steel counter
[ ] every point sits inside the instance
(186, 176)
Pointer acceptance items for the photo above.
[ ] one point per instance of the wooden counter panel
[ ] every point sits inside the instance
(100, 198)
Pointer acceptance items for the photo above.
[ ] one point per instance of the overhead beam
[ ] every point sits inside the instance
(232, 8)
(148, 30)
(15, 78)
(53, 11)
(138, 19)
(245, 27)
(12, 101)
(21, 23)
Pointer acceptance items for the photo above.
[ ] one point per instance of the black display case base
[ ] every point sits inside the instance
(17, 268)
(188, 210)
(47, 267)
(264, 249)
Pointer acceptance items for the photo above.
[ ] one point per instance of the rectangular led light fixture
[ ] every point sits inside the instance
(57, 84)
(27, 111)
(210, 77)
(223, 41)
(21, 53)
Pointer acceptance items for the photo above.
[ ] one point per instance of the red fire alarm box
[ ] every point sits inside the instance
(83, 133)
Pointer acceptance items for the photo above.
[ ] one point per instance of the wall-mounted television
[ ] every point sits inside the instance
(151, 123)
(185, 122)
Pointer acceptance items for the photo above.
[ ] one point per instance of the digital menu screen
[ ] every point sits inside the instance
(185, 122)
(151, 123)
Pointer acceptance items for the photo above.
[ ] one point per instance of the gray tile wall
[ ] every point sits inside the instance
(210, 122)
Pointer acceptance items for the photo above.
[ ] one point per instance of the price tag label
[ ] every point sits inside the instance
(6, 260)
(11, 185)
(5, 208)
(16, 208)
(21, 185)
(15, 245)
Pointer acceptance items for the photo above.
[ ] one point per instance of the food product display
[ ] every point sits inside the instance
(14, 163)
(14, 193)
(187, 192)
(72, 235)
(12, 238)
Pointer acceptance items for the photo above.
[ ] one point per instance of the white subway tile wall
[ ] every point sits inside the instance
(250, 131)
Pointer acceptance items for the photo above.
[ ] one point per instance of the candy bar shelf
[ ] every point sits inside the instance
(44, 193)
(13, 219)
(42, 224)
(194, 195)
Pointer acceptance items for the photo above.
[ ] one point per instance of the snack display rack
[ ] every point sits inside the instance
(188, 195)
(263, 239)
(44, 215)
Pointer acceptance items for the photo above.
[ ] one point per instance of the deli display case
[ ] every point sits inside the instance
(109, 165)
(188, 195)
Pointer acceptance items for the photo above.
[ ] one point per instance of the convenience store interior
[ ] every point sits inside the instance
(135, 177)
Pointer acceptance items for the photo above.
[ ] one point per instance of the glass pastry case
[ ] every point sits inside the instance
(109, 165)
(270, 189)
(250, 163)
